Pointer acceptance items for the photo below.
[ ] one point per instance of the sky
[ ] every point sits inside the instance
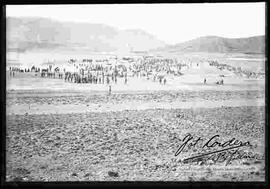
(171, 23)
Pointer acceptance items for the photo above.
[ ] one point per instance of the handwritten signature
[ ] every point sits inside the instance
(227, 151)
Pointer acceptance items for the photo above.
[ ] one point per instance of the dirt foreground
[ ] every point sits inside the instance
(84, 134)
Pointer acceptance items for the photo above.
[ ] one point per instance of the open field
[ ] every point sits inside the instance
(135, 145)
(83, 102)
(59, 131)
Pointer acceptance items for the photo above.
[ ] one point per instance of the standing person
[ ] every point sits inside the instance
(90, 78)
(108, 80)
(204, 81)
(99, 80)
(125, 78)
(110, 89)
(164, 81)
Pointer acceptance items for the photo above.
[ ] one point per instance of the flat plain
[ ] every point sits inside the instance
(58, 131)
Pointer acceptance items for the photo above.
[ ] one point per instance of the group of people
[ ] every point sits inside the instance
(89, 72)
(93, 77)
(148, 67)
(236, 70)
(13, 70)
(94, 73)
(101, 71)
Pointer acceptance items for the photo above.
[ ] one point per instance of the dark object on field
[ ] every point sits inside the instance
(113, 174)
(204, 81)
(220, 82)
(74, 174)
(180, 116)
(33, 69)
(246, 163)
(22, 171)
(191, 179)
(18, 179)
(203, 179)
(110, 89)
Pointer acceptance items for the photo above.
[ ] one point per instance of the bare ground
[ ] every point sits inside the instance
(71, 133)
(129, 145)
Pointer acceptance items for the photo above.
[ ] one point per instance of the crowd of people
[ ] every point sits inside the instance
(236, 70)
(13, 70)
(103, 71)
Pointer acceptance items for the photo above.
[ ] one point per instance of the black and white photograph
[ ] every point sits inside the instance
(135, 92)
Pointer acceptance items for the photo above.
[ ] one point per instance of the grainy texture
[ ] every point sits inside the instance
(133, 145)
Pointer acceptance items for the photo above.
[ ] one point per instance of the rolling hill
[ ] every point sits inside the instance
(214, 44)
(30, 33)
(35, 33)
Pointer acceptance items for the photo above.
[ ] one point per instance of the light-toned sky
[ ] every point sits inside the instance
(171, 23)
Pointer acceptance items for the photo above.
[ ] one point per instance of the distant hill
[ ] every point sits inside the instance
(35, 33)
(31, 33)
(214, 44)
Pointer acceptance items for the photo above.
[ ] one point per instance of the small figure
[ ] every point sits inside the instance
(110, 89)
(164, 81)
(204, 81)
(125, 78)
(221, 82)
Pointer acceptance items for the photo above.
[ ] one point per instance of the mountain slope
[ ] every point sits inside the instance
(216, 44)
(30, 33)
